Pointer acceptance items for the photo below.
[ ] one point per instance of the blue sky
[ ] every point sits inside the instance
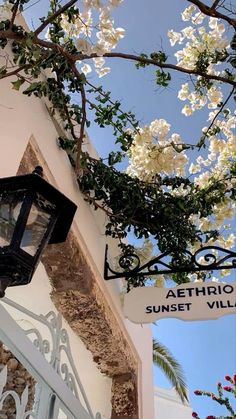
(206, 349)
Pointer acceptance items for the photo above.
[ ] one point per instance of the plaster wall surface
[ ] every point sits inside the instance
(169, 406)
(21, 118)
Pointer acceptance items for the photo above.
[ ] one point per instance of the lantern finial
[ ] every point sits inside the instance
(38, 170)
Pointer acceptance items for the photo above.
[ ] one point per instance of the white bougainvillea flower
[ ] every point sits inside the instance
(152, 152)
(98, 62)
(194, 168)
(188, 32)
(103, 71)
(188, 12)
(187, 110)
(115, 3)
(216, 25)
(183, 92)
(86, 69)
(83, 46)
(174, 37)
(215, 97)
(159, 128)
(96, 4)
(198, 18)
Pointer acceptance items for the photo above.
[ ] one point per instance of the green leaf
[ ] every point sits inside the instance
(3, 71)
(162, 78)
(34, 86)
(164, 359)
(17, 84)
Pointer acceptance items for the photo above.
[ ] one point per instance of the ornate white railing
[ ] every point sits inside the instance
(56, 350)
(20, 402)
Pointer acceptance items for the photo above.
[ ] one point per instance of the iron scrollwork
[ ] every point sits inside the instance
(207, 258)
(56, 349)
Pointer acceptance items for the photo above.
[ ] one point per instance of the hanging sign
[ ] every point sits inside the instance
(191, 301)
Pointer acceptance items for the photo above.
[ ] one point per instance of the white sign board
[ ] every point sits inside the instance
(191, 301)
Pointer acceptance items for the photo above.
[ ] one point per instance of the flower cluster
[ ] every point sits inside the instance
(199, 40)
(217, 165)
(153, 152)
(90, 36)
(219, 398)
(204, 49)
(231, 379)
(197, 99)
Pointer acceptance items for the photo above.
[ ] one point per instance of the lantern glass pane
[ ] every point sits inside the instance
(37, 225)
(10, 205)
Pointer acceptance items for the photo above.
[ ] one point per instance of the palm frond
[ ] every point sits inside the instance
(164, 359)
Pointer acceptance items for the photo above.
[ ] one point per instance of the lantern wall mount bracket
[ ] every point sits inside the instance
(207, 258)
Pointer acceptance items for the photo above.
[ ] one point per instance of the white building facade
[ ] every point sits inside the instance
(168, 405)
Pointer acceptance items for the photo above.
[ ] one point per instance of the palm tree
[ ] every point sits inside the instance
(164, 359)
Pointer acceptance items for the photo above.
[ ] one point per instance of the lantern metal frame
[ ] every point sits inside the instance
(17, 266)
(204, 259)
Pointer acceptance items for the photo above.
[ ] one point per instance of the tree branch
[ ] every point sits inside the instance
(93, 106)
(16, 71)
(14, 12)
(118, 216)
(211, 11)
(113, 104)
(174, 67)
(84, 117)
(8, 34)
(215, 4)
(51, 18)
(215, 117)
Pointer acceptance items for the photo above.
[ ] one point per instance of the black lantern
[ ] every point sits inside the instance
(32, 214)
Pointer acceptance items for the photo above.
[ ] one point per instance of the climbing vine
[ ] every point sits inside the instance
(164, 195)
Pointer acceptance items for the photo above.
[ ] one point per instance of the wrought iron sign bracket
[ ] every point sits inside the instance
(207, 258)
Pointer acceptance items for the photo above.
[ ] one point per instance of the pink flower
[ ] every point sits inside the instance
(227, 378)
(194, 415)
(234, 379)
(210, 417)
(198, 392)
(228, 388)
